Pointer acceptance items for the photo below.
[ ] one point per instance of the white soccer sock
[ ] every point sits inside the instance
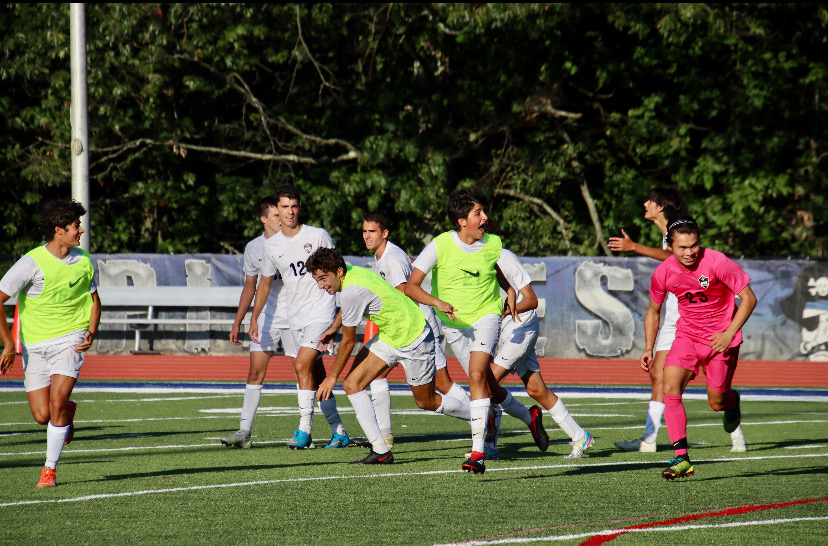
(655, 411)
(516, 409)
(306, 399)
(364, 410)
(459, 393)
(252, 397)
(454, 408)
(381, 399)
(55, 437)
(564, 419)
(328, 408)
(479, 410)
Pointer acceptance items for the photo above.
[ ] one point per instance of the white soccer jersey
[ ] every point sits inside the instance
(518, 277)
(274, 309)
(305, 303)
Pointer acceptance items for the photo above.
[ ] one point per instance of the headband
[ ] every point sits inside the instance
(679, 222)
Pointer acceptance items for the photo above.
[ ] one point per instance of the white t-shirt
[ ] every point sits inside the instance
(395, 267)
(357, 301)
(518, 277)
(428, 257)
(305, 302)
(27, 278)
(253, 264)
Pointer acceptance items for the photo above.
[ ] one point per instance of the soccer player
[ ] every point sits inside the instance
(394, 265)
(660, 203)
(466, 295)
(274, 320)
(708, 332)
(59, 315)
(310, 313)
(516, 354)
(404, 336)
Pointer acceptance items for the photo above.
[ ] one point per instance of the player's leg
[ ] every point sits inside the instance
(252, 396)
(367, 366)
(443, 382)
(420, 373)
(381, 400)
(720, 394)
(339, 438)
(680, 368)
(655, 409)
(302, 360)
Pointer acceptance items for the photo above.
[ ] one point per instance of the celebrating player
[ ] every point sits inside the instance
(310, 313)
(274, 320)
(59, 315)
(394, 265)
(466, 296)
(708, 333)
(404, 336)
(660, 203)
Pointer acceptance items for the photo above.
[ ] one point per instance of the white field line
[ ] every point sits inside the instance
(647, 530)
(580, 463)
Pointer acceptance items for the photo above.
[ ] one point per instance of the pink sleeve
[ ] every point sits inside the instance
(657, 291)
(731, 274)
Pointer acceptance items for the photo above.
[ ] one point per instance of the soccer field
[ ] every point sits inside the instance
(146, 466)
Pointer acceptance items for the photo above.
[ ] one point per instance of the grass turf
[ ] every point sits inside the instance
(148, 467)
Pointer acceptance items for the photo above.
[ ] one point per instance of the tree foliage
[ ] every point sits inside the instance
(564, 113)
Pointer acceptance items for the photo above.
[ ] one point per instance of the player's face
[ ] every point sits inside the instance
(328, 281)
(651, 210)
(474, 224)
(288, 212)
(271, 220)
(69, 235)
(373, 235)
(685, 248)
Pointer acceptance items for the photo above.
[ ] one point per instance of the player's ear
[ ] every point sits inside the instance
(385, 234)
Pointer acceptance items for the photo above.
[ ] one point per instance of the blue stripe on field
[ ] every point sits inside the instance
(588, 390)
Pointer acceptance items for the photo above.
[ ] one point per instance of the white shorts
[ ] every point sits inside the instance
(517, 343)
(480, 336)
(268, 341)
(417, 358)
(43, 360)
(309, 336)
(667, 332)
(439, 354)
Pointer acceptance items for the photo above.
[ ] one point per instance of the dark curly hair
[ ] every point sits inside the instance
(59, 214)
(325, 259)
(462, 202)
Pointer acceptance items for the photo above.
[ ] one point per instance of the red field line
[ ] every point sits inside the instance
(601, 539)
(753, 373)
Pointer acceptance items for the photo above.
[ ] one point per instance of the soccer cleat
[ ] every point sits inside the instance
(475, 466)
(579, 447)
(738, 439)
(537, 430)
(490, 451)
(301, 440)
(636, 445)
(680, 467)
(238, 439)
(376, 458)
(732, 419)
(71, 407)
(48, 478)
(338, 440)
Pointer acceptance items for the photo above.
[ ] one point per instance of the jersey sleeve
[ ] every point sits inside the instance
(325, 239)
(399, 269)
(249, 263)
(658, 289)
(731, 274)
(513, 270)
(21, 275)
(427, 258)
(353, 305)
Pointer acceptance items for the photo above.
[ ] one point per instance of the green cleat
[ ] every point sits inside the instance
(680, 467)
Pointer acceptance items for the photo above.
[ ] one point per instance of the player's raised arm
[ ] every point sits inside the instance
(625, 244)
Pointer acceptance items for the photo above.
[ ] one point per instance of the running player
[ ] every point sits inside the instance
(274, 320)
(466, 296)
(660, 203)
(404, 336)
(394, 265)
(310, 313)
(708, 333)
(516, 354)
(59, 315)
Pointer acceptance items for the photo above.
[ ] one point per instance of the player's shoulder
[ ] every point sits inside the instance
(255, 244)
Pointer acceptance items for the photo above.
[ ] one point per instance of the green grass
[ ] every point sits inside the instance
(195, 491)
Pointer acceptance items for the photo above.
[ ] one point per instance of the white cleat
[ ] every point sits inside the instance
(636, 445)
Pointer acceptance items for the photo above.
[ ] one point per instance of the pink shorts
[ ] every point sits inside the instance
(718, 367)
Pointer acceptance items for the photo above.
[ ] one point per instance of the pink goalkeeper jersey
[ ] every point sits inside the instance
(706, 294)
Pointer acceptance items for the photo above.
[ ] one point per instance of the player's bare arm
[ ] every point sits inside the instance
(262, 293)
(651, 322)
(625, 244)
(246, 298)
(414, 290)
(327, 339)
(9, 350)
(342, 355)
(721, 341)
(510, 307)
(94, 320)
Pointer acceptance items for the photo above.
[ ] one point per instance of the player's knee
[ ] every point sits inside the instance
(350, 387)
(535, 391)
(42, 417)
(431, 403)
(715, 405)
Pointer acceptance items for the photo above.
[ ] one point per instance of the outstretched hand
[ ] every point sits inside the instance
(621, 244)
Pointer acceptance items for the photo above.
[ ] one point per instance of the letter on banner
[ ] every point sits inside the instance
(591, 335)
